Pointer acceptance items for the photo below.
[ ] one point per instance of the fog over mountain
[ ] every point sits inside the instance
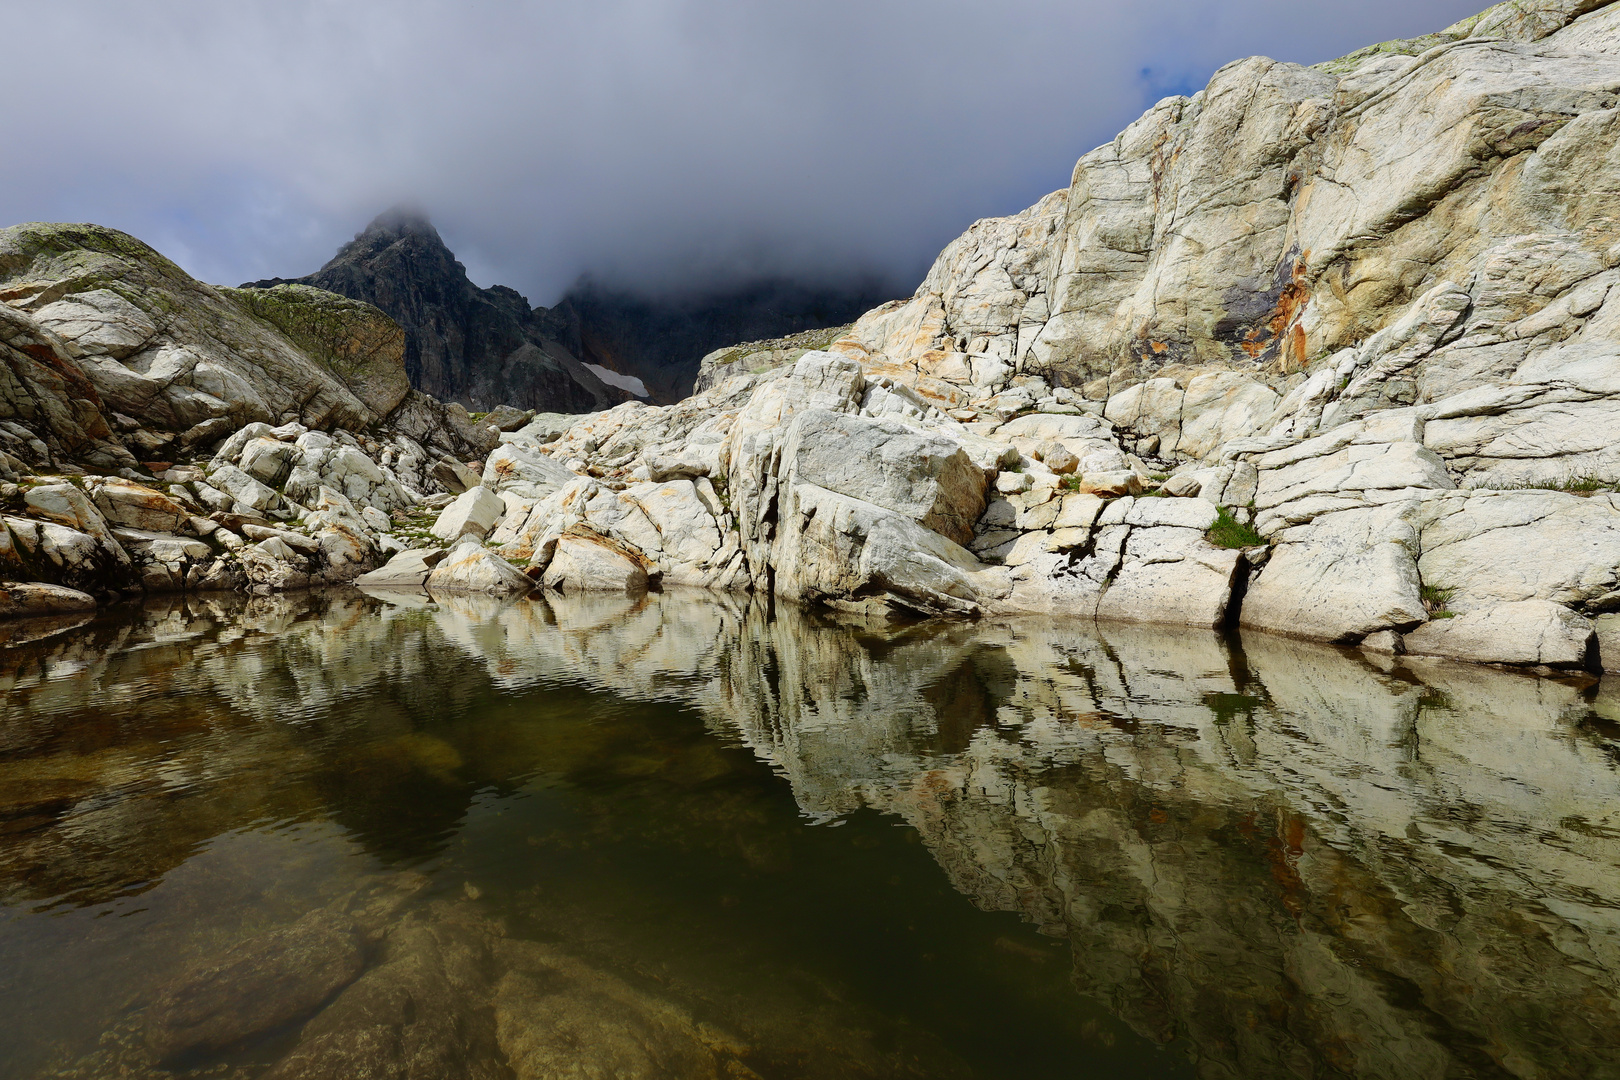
(656, 145)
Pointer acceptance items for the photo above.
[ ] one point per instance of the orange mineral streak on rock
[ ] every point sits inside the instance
(943, 394)
(1282, 328)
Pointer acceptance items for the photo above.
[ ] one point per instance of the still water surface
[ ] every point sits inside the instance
(346, 836)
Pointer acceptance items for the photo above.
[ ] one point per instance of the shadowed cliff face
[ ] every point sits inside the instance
(661, 340)
(1287, 860)
(482, 347)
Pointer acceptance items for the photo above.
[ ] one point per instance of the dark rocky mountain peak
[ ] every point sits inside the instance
(481, 347)
(488, 347)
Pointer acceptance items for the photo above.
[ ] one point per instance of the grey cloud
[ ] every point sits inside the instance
(655, 143)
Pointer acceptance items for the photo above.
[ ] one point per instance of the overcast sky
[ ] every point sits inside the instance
(654, 143)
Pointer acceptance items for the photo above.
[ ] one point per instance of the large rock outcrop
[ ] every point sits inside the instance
(160, 434)
(1349, 374)
(1363, 354)
(1284, 213)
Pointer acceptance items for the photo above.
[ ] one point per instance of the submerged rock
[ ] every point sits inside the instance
(254, 987)
(550, 1007)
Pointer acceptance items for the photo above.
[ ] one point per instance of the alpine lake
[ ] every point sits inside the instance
(347, 835)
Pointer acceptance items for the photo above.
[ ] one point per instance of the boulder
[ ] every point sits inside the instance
(471, 568)
(408, 569)
(20, 599)
(693, 548)
(586, 562)
(1057, 457)
(1607, 628)
(207, 432)
(243, 489)
(268, 460)
(1012, 483)
(925, 475)
(1183, 486)
(1523, 632)
(549, 427)
(507, 418)
(1339, 578)
(1489, 548)
(304, 545)
(524, 471)
(835, 548)
(126, 503)
(1110, 483)
(453, 476)
(254, 987)
(1387, 642)
(474, 513)
(277, 548)
(68, 505)
(1172, 575)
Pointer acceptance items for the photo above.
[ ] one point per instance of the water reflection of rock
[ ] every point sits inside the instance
(129, 744)
(1305, 861)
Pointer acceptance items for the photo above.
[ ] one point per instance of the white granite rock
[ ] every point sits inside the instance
(927, 476)
(1607, 629)
(20, 599)
(474, 513)
(520, 468)
(468, 567)
(1340, 577)
(407, 569)
(1522, 632)
(1490, 548)
(1171, 575)
(583, 562)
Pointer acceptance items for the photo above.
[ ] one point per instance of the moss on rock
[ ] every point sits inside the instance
(357, 342)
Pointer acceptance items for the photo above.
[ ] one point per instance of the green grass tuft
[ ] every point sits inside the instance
(1229, 532)
(1584, 484)
(1435, 600)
